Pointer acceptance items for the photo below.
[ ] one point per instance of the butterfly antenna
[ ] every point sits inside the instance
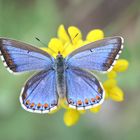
(70, 42)
(45, 45)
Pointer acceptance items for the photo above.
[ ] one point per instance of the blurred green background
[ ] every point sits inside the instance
(26, 19)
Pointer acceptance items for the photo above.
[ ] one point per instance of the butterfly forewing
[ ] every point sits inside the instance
(19, 57)
(100, 55)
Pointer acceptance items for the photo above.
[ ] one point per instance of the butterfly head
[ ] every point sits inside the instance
(59, 55)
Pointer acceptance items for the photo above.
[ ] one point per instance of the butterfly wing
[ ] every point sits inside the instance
(84, 91)
(100, 55)
(39, 93)
(19, 57)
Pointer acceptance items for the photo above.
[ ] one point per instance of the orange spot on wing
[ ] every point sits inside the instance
(79, 102)
(24, 95)
(86, 101)
(32, 105)
(46, 105)
(10, 61)
(27, 102)
(92, 99)
(39, 105)
(97, 97)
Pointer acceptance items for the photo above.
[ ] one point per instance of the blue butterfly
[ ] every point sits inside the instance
(69, 77)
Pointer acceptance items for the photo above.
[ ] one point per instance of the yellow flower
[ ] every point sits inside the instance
(121, 65)
(116, 94)
(71, 117)
(62, 34)
(71, 39)
(110, 85)
(95, 35)
(82, 111)
(54, 46)
(112, 74)
(63, 104)
(75, 34)
(95, 109)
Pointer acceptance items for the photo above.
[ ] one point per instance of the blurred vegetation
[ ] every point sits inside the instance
(26, 19)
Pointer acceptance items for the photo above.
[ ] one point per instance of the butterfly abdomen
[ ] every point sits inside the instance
(60, 76)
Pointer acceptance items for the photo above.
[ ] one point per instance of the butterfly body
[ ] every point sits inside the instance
(60, 75)
(69, 77)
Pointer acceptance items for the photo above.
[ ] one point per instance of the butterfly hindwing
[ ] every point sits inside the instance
(84, 91)
(39, 93)
(100, 55)
(20, 57)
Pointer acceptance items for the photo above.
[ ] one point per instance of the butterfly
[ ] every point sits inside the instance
(70, 77)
